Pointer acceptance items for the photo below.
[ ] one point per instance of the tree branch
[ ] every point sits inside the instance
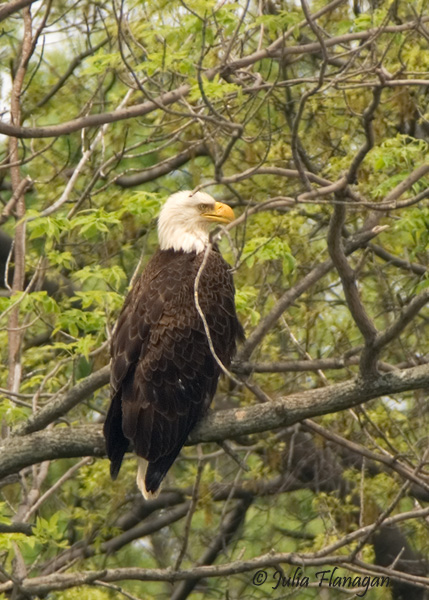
(397, 261)
(289, 297)
(15, 333)
(228, 528)
(17, 195)
(162, 168)
(65, 402)
(61, 442)
(14, 6)
(292, 366)
(72, 66)
(40, 586)
(348, 280)
(172, 96)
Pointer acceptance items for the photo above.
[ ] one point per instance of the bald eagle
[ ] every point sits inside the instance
(163, 373)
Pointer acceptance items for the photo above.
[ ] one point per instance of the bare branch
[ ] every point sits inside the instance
(66, 402)
(348, 279)
(277, 49)
(406, 316)
(23, 186)
(13, 6)
(396, 261)
(367, 117)
(72, 66)
(130, 112)
(164, 167)
(293, 366)
(294, 292)
(44, 584)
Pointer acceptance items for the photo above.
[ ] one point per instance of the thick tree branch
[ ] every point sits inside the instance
(62, 442)
(14, 6)
(293, 408)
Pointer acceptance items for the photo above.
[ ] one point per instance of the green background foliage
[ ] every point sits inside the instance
(279, 129)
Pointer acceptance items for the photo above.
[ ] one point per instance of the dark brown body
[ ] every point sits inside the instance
(164, 375)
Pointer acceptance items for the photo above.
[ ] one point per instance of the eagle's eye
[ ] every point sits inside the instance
(203, 207)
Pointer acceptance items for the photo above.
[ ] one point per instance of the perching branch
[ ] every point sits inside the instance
(67, 442)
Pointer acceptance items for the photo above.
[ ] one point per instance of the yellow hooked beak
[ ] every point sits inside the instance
(222, 214)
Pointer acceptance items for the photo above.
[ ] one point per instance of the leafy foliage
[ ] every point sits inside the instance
(288, 118)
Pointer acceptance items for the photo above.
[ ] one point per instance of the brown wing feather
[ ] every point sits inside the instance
(163, 373)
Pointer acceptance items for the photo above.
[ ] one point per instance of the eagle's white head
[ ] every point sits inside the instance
(185, 218)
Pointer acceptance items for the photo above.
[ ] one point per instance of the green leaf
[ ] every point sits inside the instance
(89, 223)
(48, 227)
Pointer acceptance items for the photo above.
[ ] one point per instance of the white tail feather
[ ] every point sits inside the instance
(140, 479)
